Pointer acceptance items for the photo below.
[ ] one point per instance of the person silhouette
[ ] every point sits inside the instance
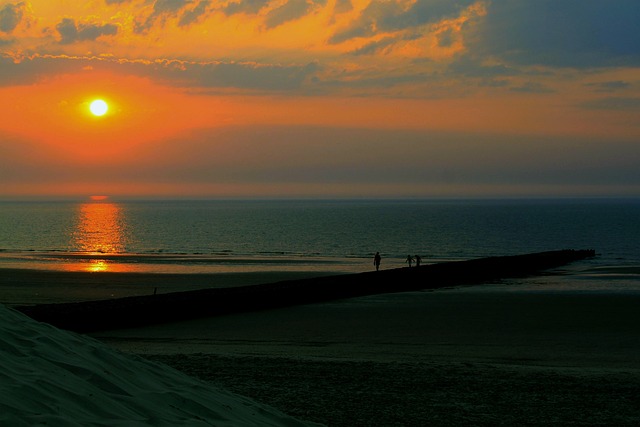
(376, 260)
(418, 260)
(409, 260)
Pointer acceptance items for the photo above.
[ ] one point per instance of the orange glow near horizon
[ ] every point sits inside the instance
(140, 112)
(143, 112)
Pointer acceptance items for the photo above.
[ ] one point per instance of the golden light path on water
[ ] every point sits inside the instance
(100, 230)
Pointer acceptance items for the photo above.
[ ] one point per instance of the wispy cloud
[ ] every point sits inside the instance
(614, 103)
(610, 86)
(291, 10)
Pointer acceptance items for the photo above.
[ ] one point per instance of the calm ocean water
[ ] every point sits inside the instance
(335, 236)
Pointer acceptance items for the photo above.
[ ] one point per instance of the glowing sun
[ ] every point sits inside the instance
(98, 107)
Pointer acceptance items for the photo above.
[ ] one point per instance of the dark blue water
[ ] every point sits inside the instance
(340, 236)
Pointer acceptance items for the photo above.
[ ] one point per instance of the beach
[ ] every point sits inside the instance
(447, 357)
(495, 352)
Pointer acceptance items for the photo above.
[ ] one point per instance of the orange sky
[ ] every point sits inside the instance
(334, 88)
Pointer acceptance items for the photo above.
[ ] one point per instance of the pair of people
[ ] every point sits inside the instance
(377, 258)
(410, 260)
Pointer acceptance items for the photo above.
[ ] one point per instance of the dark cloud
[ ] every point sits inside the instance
(382, 44)
(375, 47)
(611, 86)
(469, 66)
(613, 103)
(447, 38)
(10, 16)
(162, 9)
(169, 6)
(29, 71)
(532, 87)
(192, 16)
(252, 76)
(291, 10)
(70, 32)
(343, 6)
(385, 16)
(261, 77)
(249, 7)
(568, 33)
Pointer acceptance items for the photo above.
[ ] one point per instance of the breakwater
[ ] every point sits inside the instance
(145, 310)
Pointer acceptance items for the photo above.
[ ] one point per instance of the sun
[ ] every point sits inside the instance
(98, 107)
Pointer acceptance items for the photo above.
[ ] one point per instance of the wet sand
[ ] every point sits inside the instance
(29, 287)
(445, 357)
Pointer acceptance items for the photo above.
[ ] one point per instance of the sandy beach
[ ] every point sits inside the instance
(446, 357)
(482, 354)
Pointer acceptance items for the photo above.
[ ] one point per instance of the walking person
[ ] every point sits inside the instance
(418, 260)
(376, 260)
(409, 260)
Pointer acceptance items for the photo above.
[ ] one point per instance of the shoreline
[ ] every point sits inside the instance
(158, 308)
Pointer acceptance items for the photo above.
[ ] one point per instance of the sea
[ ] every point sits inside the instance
(323, 236)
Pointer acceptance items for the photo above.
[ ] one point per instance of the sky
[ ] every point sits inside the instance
(320, 98)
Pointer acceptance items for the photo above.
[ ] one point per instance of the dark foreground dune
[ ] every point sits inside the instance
(153, 309)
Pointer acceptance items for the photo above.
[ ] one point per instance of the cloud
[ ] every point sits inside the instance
(469, 66)
(382, 16)
(343, 6)
(205, 75)
(437, 44)
(613, 103)
(610, 86)
(289, 11)
(532, 87)
(27, 70)
(192, 16)
(12, 15)
(376, 46)
(568, 33)
(71, 33)
(267, 77)
(162, 9)
(250, 7)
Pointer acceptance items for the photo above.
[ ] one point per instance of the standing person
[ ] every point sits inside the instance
(418, 259)
(409, 260)
(376, 260)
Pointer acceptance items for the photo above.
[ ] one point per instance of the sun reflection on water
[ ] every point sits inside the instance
(100, 229)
